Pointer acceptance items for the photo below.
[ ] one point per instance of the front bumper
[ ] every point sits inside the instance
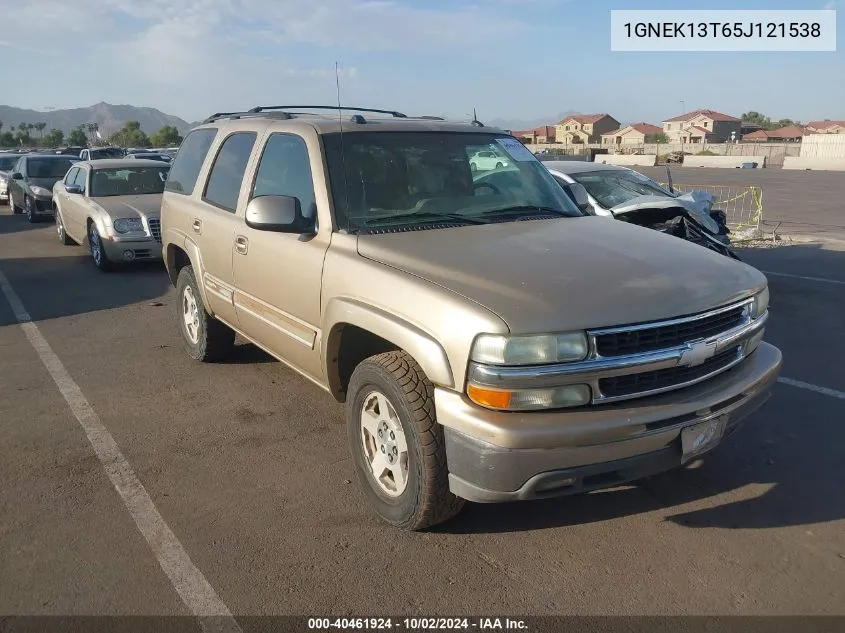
(498, 456)
(43, 206)
(123, 249)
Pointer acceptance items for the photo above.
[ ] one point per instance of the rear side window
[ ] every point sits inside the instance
(189, 160)
(227, 174)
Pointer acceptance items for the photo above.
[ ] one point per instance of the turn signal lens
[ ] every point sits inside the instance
(530, 399)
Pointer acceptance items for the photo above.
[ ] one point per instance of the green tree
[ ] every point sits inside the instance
(77, 137)
(40, 128)
(54, 138)
(756, 118)
(165, 137)
(657, 137)
(7, 139)
(130, 135)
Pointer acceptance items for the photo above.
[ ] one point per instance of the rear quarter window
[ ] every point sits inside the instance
(188, 163)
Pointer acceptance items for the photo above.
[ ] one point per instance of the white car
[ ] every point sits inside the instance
(487, 159)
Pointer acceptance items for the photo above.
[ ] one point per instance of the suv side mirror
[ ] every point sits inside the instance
(17, 176)
(578, 194)
(280, 214)
(73, 189)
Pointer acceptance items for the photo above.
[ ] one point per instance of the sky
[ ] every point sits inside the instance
(517, 60)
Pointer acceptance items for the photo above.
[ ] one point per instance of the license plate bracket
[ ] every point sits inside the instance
(700, 438)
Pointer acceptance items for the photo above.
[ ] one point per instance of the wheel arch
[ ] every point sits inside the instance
(355, 331)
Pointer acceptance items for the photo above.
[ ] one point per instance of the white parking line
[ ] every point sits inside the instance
(833, 393)
(822, 279)
(196, 592)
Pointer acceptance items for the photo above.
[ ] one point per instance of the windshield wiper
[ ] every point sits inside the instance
(529, 207)
(434, 217)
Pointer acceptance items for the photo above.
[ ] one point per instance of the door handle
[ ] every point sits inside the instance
(197, 226)
(241, 244)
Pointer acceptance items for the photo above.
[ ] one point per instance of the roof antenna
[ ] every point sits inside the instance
(475, 120)
(342, 149)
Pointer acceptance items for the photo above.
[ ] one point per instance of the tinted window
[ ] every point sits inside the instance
(130, 181)
(7, 162)
(186, 167)
(47, 168)
(224, 181)
(71, 175)
(284, 171)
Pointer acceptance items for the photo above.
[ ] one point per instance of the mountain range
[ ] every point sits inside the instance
(110, 118)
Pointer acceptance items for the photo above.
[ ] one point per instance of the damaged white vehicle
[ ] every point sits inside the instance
(625, 194)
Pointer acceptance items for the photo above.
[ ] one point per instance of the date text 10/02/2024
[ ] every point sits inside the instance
(415, 624)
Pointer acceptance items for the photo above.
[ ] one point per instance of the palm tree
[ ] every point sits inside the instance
(40, 127)
(1, 126)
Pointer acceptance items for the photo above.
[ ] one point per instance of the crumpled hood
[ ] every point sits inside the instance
(130, 206)
(696, 203)
(572, 273)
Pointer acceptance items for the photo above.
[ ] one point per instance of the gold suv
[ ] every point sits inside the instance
(491, 342)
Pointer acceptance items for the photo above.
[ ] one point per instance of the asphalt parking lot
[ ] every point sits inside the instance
(247, 464)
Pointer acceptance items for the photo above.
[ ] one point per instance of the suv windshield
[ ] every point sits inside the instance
(55, 168)
(614, 187)
(7, 162)
(399, 179)
(128, 182)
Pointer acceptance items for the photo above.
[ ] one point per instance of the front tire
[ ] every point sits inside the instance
(29, 205)
(397, 445)
(204, 338)
(98, 252)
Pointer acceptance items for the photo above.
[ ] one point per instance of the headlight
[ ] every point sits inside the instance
(40, 191)
(530, 399)
(2, 179)
(128, 225)
(761, 303)
(539, 349)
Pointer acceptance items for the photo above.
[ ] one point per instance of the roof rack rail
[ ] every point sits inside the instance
(429, 117)
(392, 113)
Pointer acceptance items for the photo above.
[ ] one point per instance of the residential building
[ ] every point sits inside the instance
(543, 134)
(788, 134)
(584, 128)
(702, 126)
(634, 134)
(826, 127)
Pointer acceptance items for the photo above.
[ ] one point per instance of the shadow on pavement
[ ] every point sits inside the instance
(18, 223)
(52, 287)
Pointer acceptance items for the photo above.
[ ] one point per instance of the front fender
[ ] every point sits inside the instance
(421, 345)
(176, 240)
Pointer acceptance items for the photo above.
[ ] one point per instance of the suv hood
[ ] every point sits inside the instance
(568, 273)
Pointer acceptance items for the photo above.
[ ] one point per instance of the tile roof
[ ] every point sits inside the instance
(710, 114)
(823, 125)
(790, 131)
(585, 118)
(642, 128)
(701, 129)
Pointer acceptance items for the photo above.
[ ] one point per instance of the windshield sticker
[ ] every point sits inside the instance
(516, 150)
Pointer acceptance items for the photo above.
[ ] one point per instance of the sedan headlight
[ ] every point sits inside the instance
(761, 303)
(40, 191)
(128, 225)
(536, 349)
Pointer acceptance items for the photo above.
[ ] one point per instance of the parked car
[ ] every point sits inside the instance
(625, 194)
(70, 151)
(150, 156)
(115, 206)
(487, 159)
(490, 344)
(31, 183)
(7, 162)
(99, 153)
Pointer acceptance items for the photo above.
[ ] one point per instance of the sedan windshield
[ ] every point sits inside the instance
(617, 186)
(128, 182)
(390, 180)
(7, 162)
(106, 152)
(47, 168)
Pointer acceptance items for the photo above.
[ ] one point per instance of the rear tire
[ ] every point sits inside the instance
(398, 447)
(204, 338)
(64, 238)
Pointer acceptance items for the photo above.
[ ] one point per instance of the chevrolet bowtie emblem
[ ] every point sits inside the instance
(697, 353)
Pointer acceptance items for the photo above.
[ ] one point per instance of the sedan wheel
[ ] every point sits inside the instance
(98, 254)
(29, 204)
(64, 238)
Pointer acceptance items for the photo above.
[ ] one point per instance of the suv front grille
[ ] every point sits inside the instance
(648, 339)
(155, 228)
(632, 384)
